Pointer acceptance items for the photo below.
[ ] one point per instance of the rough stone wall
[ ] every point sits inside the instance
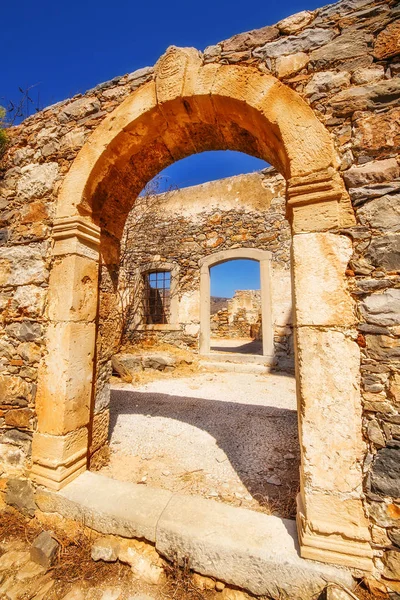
(184, 226)
(343, 59)
(241, 318)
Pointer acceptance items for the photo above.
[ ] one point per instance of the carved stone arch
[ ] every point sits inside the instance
(263, 257)
(192, 107)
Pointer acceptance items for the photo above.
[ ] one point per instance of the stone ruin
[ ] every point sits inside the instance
(317, 96)
(241, 318)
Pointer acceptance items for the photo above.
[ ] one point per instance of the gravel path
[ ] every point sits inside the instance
(228, 436)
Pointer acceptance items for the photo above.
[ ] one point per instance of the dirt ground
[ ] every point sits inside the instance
(231, 437)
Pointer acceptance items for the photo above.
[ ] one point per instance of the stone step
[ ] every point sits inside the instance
(238, 358)
(251, 550)
(210, 365)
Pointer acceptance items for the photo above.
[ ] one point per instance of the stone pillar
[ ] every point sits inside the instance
(60, 444)
(331, 521)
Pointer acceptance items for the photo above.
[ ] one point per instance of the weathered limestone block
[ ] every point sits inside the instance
(296, 22)
(19, 418)
(20, 495)
(375, 171)
(73, 289)
(367, 75)
(22, 265)
(65, 378)
(377, 132)
(25, 331)
(37, 180)
(309, 39)
(320, 288)
(381, 213)
(105, 548)
(289, 65)
(382, 309)
(383, 347)
(250, 39)
(347, 45)
(368, 97)
(30, 299)
(79, 109)
(328, 387)
(384, 252)
(387, 43)
(327, 82)
(14, 390)
(385, 472)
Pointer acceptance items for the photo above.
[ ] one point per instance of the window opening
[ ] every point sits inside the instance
(157, 297)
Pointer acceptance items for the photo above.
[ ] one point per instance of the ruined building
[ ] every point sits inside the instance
(316, 96)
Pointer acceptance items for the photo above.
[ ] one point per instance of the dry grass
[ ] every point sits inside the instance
(73, 564)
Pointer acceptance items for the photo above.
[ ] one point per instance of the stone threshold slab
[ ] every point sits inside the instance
(237, 357)
(251, 550)
(232, 367)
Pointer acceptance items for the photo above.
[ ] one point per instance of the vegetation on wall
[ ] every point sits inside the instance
(3, 135)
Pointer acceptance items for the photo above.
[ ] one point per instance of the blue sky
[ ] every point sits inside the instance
(65, 48)
(234, 275)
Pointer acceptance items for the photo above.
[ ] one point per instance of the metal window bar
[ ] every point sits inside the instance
(157, 297)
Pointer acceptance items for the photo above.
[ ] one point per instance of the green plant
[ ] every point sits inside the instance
(3, 135)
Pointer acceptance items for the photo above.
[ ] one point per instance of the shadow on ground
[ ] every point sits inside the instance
(260, 442)
(253, 347)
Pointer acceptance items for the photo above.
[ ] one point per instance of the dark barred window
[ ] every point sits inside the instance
(157, 297)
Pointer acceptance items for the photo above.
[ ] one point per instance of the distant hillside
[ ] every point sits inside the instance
(217, 304)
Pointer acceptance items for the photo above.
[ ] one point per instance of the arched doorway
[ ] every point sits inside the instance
(261, 256)
(189, 108)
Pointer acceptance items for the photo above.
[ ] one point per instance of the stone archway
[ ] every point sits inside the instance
(189, 108)
(263, 257)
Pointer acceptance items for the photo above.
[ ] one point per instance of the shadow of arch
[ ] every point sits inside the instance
(255, 438)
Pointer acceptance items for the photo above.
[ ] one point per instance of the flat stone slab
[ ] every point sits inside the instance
(251, 550)
(109, 506)
(248, 549)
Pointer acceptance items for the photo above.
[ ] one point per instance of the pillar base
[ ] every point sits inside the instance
(331, 548)
(58, 459)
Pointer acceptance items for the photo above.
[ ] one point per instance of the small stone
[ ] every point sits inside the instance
(375, 434)
(44, 549)
(20, 495)
(79, 109)
(203, 583)
(327, 82)
(382, 213)
(334, 592)
(274, 480)
(368, 97)
(75, 594)
(345, 46)
(375, 171)
(384, 252)
(111, 594)
(219, 586)
(368, 75)
(394, 535)
(36, 181)
(309, 39)
(382, 308)
(296, 22)
(385, 472)
(387, 43)
(29, 570)
(391, 560)
(289, 65)
(250, 39)
(106, 549)
(13, 560)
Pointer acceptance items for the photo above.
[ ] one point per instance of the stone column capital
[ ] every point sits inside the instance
(76, 235)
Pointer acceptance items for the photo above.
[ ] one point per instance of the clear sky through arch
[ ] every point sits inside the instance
(65, 48)
(206, 166)
(237, 274)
